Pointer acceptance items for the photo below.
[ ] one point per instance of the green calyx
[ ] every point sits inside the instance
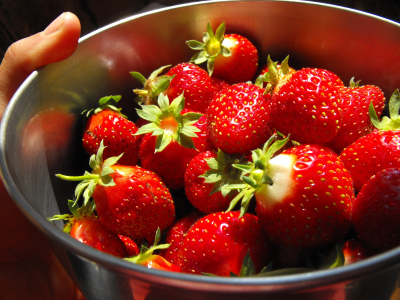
(387, 123)
(77, 212)
(222, 172)
(354, 84)
(152, 86)
(168, 124)
(100, 174)
(274, 74)
(255, 174)
(211, 47)
(316, 260)
(106, 103)
(147, 253)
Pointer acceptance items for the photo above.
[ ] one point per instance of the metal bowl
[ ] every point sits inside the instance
(41, 128)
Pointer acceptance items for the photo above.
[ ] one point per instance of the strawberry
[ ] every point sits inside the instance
(378, 150)
(172, 139)
(303, 196)
(130, 246)
(219, 83)
(147, 258)
(206, 173)
(176, 234)
(356, 122)
(376, 210)
(238, 118)
(130, 200)
(195, 83)
(218, 243)
(307, 106)
(355, 250)
(231, 57)
(84, 226)
(117, 132)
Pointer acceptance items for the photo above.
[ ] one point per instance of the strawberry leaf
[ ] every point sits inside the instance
(88, 181)
(152, 87)
(387, 123)
(139, 77)
(168, 123)
(147, 128)
(189, 131)
(248, 268)
(221, 172)
(220, 32)
(195, 45)
(103, 101)
(162, 142)
(210, 66)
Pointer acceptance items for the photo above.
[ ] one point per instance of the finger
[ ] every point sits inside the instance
(58, 41)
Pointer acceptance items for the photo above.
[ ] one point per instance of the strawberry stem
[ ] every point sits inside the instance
(257, 173)
(78, 178)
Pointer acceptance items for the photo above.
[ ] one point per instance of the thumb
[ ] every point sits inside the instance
(58, 41)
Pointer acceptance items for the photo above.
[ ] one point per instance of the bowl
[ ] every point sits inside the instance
(41, 133)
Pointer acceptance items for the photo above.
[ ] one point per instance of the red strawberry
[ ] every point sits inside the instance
(219, 83)
(238, 118)
(130, 201)
(307, 106)
(356, 122)
(195, 83)
(130, 246)
(231, 57)
(84, 226)
(378, 150)
(312, 206)
(304, 195)
(355, 250)
(172, 139)
(206, 173)
(116, 131)
(377, 208)
(218, 243)
(147, 258)
(176, 234)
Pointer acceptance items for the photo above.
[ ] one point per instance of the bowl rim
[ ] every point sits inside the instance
(310, 279)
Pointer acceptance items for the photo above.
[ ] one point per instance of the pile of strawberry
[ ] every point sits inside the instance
(293, 171)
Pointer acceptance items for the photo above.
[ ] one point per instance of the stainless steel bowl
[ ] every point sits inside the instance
(40, 133)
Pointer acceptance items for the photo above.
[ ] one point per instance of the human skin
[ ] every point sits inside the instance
(28, 267)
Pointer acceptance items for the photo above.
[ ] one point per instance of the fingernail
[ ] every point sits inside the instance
(55, 25)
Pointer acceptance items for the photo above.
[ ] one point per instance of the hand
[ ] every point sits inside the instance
(28, 267)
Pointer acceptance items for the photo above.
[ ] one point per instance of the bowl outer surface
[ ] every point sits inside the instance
(40, 133)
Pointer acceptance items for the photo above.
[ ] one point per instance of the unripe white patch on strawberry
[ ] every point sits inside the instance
(280, 170)
(229, 42)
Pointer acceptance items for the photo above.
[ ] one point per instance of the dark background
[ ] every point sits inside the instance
(21, 18)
